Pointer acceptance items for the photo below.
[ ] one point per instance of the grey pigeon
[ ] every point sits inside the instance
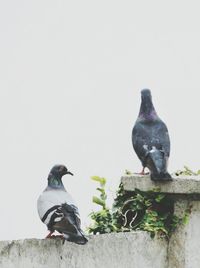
(57, 209)
(150, 139)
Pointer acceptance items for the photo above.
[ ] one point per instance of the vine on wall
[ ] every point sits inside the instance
(147, 211)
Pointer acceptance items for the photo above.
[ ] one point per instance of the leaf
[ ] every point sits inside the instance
(147, 203)
(186, 218)
(98, 201)
(101, 190)
(156, 189)
(159, 197)
(102, 181)
(127, 172)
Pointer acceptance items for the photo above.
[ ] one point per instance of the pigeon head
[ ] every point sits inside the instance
(145, 93)
(55, 176)
(59, 171)
(147, 109)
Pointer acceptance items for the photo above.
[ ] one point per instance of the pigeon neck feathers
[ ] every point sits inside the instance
(55, 176)
(147, 110)
(55, 181)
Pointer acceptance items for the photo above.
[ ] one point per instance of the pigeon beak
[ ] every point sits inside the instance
(68, 172)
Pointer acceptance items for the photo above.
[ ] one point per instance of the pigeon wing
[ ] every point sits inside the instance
(49, 201)
(145, 135)
(70, 221)
(70, 224)
(160, 138)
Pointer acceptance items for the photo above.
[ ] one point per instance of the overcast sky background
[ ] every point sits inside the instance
(70, 79)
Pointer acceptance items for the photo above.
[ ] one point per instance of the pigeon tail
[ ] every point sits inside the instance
(161, 176)
(78, 239)
(70, 225)
(157, 164)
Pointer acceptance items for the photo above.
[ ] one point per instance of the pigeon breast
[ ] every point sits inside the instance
(50, 200)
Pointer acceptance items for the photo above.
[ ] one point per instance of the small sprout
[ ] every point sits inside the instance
(187, 172)
(128, 172)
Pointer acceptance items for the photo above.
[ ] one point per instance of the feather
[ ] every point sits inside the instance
(57, 209)
(150, 139)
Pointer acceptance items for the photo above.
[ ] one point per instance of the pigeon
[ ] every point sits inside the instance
(57, 209)
(150, 140)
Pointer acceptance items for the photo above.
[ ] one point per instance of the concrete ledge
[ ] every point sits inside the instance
(179, 185)
(184, 243)
(130, 250)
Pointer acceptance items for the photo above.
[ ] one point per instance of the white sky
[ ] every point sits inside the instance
(70, 79)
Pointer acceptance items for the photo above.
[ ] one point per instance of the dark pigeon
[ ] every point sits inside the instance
(57, 209)
(150, 139)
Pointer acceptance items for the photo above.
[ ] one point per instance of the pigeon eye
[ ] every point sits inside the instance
(61, 168)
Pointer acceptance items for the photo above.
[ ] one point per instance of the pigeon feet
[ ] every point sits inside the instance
(49, 235)
(142, 172)
(53, 236)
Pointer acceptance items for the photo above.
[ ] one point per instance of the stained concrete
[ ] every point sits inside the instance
(184, 244)
(185, 185)
(122, 250)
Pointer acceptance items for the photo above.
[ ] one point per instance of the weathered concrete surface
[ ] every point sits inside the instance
(177, 243)
(179, 184)
(122, 250)
(184, 244)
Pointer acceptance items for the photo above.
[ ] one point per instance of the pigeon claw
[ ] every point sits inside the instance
(49, 235)
(142, 173)
(54, 236)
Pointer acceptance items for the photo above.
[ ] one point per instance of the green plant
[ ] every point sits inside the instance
(187, 171)
(150, 211)
(102, 219)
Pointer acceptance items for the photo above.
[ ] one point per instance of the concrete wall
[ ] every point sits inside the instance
(122, 250)
(184, 244)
